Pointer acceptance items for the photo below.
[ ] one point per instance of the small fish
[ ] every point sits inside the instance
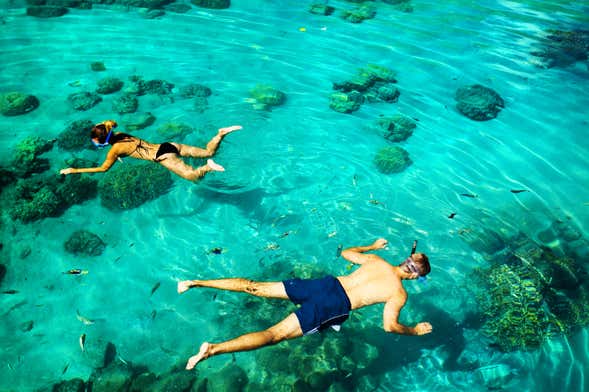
(355, 180)
(132, 244)
(332, 234)
(76, 272)
(216, 251)
(302, 29)
(82, 341)
(285, 234)
(469, 195)
(83, 319)
(10, 291)
(118, 258)
(338, 253)
(452, 215)
(65, 368)
(122, 360)
(518, 190)
(155, 287)
(214, 296)
(153, 314)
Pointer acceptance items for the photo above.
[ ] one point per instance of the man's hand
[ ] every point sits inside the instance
(380, 243)
(69, 170)
(423, 328)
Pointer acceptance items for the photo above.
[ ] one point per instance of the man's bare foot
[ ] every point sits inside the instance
(214, 166)
(203, 353)
(184, 286)
(226, 130)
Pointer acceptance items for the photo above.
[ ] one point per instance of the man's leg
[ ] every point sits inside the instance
(259, 289)
(288, 328)
(196, 152)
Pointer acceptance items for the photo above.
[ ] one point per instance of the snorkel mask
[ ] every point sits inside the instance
(101, 145)
(411, 264)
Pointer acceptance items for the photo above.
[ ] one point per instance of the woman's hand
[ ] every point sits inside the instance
(380, 243)
(69, 170)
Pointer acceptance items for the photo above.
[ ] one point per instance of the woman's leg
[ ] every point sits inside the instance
(288, 328)
(196, 152)
(259, 289)
(179, 167)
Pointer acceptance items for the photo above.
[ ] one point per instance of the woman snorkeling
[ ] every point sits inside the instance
(166, 154)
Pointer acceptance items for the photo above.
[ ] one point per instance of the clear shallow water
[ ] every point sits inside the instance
(307, 170)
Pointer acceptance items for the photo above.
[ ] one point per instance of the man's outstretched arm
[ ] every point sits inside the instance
(392, 309)
(356, 254)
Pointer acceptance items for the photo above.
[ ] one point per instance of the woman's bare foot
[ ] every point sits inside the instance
(203, 353)
(214, 166)
(226, 130)
(184, 285)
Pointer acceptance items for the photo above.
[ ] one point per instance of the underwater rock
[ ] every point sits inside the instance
(483, 240)
(97, 66)
(266, 96)
(84, 242)
(494, 376)
(124, 188)
(76, 136)
(6, 177)
(478, 102)
(16, 103)
(345, 102)
(563, 48)
(228, 379)
(109, 85)
(25, 159)
(214, 4)
(83, 4)
(31, 200)
(125, 104)
(138, 121)
(321, 9)
(200, 104)
(359, 14)
(84, 100)
(46, 11)
(195, 90)
(73, 385)
(74, 189)
(26, 326)
(115, 378)
(138, 86)
(2, 272)
(150, 4)
(144, 382)
(388, 93)
(392, 160)
(178, 8)
(176, 380)
(174, 131)
(396, 128)
(151, 13)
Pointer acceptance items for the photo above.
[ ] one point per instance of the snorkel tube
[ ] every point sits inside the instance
(412, 267)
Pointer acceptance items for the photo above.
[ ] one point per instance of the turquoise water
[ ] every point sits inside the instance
(299, 181)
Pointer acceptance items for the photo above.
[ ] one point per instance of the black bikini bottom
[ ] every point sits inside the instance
(166, 148)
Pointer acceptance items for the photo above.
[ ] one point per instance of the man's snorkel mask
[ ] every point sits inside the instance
(411, 264)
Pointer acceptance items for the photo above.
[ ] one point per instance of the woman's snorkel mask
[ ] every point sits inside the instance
(101, 145)
(411, 264)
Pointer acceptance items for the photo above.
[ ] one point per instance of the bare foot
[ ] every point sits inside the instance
(203, 353)
(214, 166)
(226, 130)
(184, 286)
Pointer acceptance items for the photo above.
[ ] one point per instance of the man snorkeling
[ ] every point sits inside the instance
(325, 302)
(166, 154)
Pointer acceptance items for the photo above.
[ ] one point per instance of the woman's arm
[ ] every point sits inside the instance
(110, 160)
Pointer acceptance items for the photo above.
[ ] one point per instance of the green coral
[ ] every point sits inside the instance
(346, 102)
(396, 128)
(76, 136)
(26, 156)
(129, 186)
(16, 103)
(267, 96)
(174, 131)
(392, 160)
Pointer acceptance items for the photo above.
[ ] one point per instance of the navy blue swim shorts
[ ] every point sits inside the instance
(323, 302)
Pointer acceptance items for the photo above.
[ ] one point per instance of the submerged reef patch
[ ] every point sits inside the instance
(562, 48)
(392, 159)
(76, 136)
(478, 102)
(84, 242)
(396, 128)
(528, 292)
(266, 96)
(129, 186)
(16, 103)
